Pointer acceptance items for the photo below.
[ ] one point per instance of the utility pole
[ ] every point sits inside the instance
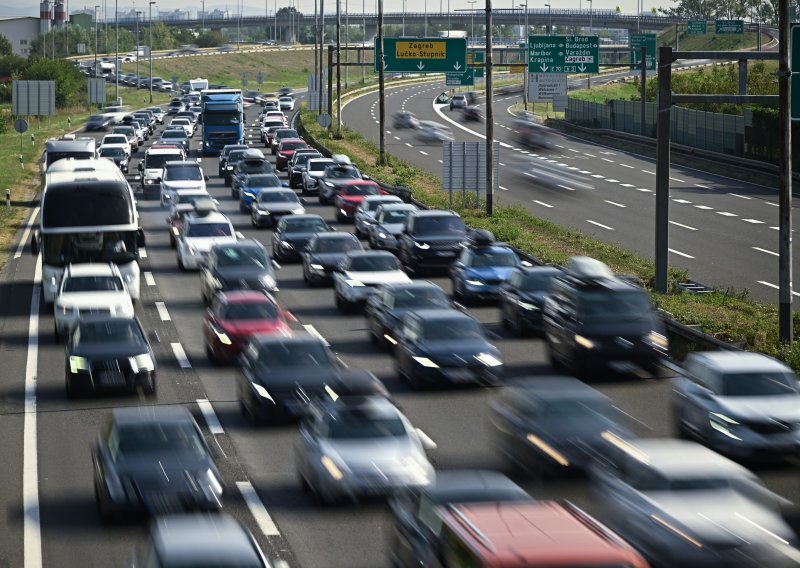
(472, 16)
(203, 25)
(116, 51)
(316, 32)
(338, 69)
(346, 43)
(489, 114)
(138, 15)
(321, 50)
(589, 75)
(150, 84)
(275, 33)
(96, 27)
(784, 177)
(363, 38)
(381, 89)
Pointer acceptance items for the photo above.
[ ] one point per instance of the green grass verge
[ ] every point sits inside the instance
(728, 315)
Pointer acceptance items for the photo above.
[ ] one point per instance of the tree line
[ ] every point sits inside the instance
(753, 10)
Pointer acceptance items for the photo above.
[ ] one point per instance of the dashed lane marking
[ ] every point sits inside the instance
(679, 180)
(543, 204)
(704, 207)
(739, 196)
(149, 279)
(566, 187)
(682, 225)
(648, 172)
(726, 214)
(606, 227)
(614, 203)
(627, 166)
(214, 425)
(162, 311)
(771, 285)
(180, 356)
(142, 252)
(679, 253)
(759, 249)
(753, 221)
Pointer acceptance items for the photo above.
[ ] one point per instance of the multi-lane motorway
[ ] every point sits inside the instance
(724, 231)
(53, 495)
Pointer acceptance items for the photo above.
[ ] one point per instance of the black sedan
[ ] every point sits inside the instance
(324, 252)
(292, 234)
(297, 165)
(108, 353)
(445, 347)
(243, 265)
(387, 307)
(522, 297)
(153, 461)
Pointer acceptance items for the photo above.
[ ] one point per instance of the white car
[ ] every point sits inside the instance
(286, 103)
(117, 141)
(200, 233)
(360, 272)
(365, 212)
(187, 125)
(430, 131)
(90, 289)
(181, 175)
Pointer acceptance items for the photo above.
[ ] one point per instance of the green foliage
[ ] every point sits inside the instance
(70, 84)
(5, 46)
(211, 39)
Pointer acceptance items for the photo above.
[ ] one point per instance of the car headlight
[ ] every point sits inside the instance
(382, 235)
(228, 167)
(474, 282)
(331, 467)
(354, 283)
(213, 483)
(268, 281)
(298, 211)
(77, 364)
(488, 359)
(527, 305)
(329, 184)
(723, 424)
(425, 362)
(423, 246)
(143, 362)
(120, 309)
(317, 267)
(192, 250)
(657, 339)
(222, 336)
(249, 194)
(216, 283)
(584, 342)
(287, 245)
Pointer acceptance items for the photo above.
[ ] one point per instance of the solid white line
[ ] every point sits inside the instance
(648, 172)
(257, 509)
(162, 311)
(313, 331)
(180, 355)
(31, 525)
(600, 225)
(776, 287)
(678, 180)
(566, 187)
(682, 225)
(543, 204)
(423, 152)
(148, 278)
(614, 203)
(771, 203)
(753, 221)
(679, 253)
(24, 239)
(211, 417)
(726, 214)
(440, 161)
(142, 252)
(765, 250)
(740, 196)
(682, 201)
(503, 188)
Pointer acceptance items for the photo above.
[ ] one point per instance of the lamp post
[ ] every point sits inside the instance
(96, 27)
(404, 19)
(275, 32)
(472, 8)
(203, 24)
(150, 16)
(363, 35)
(239, 27)
(138, 15)
(527, 58)
(346, 42)
(589, 75)
(549, 19)
(425, 33)
(116, 51)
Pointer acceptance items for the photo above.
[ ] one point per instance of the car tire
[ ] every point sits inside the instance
(679, 430)
(242, 208)
(70, 389)
(553, 358)
(106, 514)
(213, 359)
(227, 181)
(234, 193)
(342, 220)
(56, 334)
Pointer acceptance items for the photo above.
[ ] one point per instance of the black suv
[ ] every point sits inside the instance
(593, 320)
(431, 239)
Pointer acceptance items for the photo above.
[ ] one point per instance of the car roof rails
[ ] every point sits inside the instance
(588, 269)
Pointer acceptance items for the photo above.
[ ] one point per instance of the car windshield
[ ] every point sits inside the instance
(263, 180)
(613, 306)
(317, 166)
(533, 282)
(573, 409)
(648, 480)
(183, 173)
(447, 226)
(394, 216)
(93, 284)
(251, 311)
(373, 263)
(235, 156)
(218, 118)
(242, 256)
(481, 259)
(305, 354)
(758, 384)
(286, 133)
(292, 145)
(176, 134)
(419, 298)
(158, 437)
(305, 226)
(230, 149)
(451, 330)
(335, 245)
(112, 152)
(358, 424)
(209, 230)
(112, 331)
(278, 197)
(342, 172)
(154, 161)
(119, 139)
(302, 159)
(360, 189)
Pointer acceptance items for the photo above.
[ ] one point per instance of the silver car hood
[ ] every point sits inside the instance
(384, 454)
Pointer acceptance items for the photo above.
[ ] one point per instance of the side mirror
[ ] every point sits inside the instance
(365, 177)
(285, 184)
(303, 200)
(427, 443)
(158, 180)
(137, 177)
(526, 264)
(206, 178)
(140, 239)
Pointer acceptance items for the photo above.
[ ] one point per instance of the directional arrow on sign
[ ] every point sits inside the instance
(581, 67)
(421, 66)
(457, 66)
(544, 67)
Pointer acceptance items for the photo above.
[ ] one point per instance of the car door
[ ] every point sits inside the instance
(213, 314)
(406, 348)
(206, 275)
(458, 266)
(407, 536)
(509, 294)
(699, 398)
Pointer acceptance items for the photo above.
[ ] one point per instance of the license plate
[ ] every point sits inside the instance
(445, 253)
(111, 379)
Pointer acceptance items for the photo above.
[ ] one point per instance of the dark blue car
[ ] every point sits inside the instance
(480, 272)
(253, 185)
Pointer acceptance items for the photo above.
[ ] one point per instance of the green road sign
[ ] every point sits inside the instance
(478, 73)
(424, 55)
(563, 54)
(795, 102)
(460, 79)
(696, 27)
(723, 27)
(637, 42)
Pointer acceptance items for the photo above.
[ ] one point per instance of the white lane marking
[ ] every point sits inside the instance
(753, 221)
(590, 155)
(598, 176)
(739, 196)
(543, 204)
(503, 188)
(502, 165)
(257, 509)
(313, 331)
(678, 180)
(211, 417)
(566, 187)
(726, 214)
(704, 207)
(626, 185)
(24, 239)
(180, 355)
(679, 253)
(423, 152)
(648, 172)
(609, 180)
(573, 150)
(600, 225)
(614, 203)
(396, 137)
(627, 166)
(702, 186)
(607, 160)
(558, 146)
(409, 145)
(682, 225)
(142, 252)
(149, 279)
(31, 523)
(776, 287)
(529, 174)
(162, 311)
(681, 201)
(608, 153)
(771, 203)
(584, 172)
(441, 162)
(388, 132)
(765, 250)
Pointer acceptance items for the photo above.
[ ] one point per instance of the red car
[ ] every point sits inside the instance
(350, 196)
(234, 317)
(286, 150)
(269, 133)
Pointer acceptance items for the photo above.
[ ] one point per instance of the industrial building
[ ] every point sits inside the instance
(20, 31)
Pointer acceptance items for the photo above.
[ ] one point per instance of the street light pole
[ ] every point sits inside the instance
(239, 27)
(96, 27)
(338, 69)
(404, 19)
(150, 83)
(589, 75)
(425, 33)
(275, 33)
(472, 16)
(138, 15)
(203, 25)
(549, 19)
(346, 42)
(116, 52)
(363, 36)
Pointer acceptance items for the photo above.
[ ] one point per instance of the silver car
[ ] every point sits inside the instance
(388, 224)
(314, 171)
(358, 448)
(365, 211)
(681, 504)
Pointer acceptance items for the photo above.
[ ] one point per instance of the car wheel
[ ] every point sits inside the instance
(106, 514)
(56, 335)
(678, 426)
(458, 294)
(254, 223)
(171, 241)
(242, 208)
(341, 219)
(304, 191)
(321, 199)
(181, 266)
(504, 319)
(234, 193)
(70, 389)
(516, 325)
(227, 181)
(212, 358)
(555, 362)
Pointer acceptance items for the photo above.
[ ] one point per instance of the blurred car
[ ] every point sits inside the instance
(594, 320)
(315, 169)
(472, 114)
(414, 539)
(531, 134)
(482, 268)
(178, 213)
(521, 297)
(336, 175)
(106, 352)
(116, 154)
(459, 101)
(292, 233)
(272, 204)
(350, 195)
(201, 231)
(176, 175)
(431, 239)
(176, 137)
(130, 133)
(298, 165)
(285, 92)
(365, 212)
(223, 156)
(286, 103)
(158, 112)
(357, 275)
(681, 504)
(235, 317)
(279, 135)
(324, 252)
(250, 162)
(97, 122)
(88, 288)
(241, 265)
(175, 106)
(387, 225)
(268, 126)
(250, 186)
(404, 119)
(429, 131)
(184, 123)
(386, 308)
(548, 426)
(153, 461)
(356, 449)
(744, 405)
(285, 151)
(199, 540)
(231, 161)
(444, 347)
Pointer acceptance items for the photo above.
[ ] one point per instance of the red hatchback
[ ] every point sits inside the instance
(286, 150)
(350, 196)
(234, 317)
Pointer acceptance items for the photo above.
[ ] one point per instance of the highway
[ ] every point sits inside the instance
(722, 230)
(53, 494)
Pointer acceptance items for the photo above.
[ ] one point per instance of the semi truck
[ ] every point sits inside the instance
(222, 118)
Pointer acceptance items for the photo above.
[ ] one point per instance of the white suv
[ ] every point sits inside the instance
(181, 175)
(201, 231)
